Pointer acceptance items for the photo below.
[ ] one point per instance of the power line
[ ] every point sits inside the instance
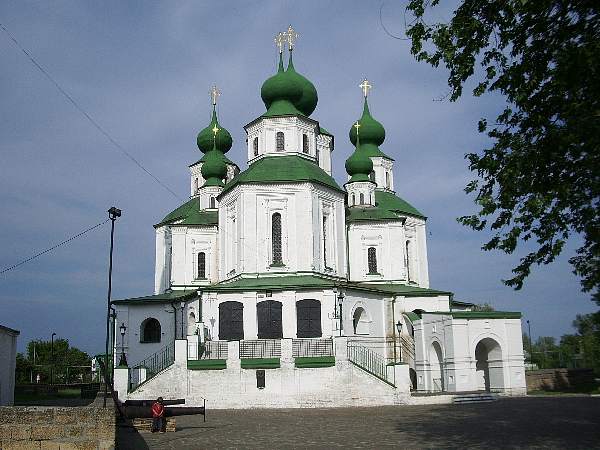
(53, 248)
(85, 114)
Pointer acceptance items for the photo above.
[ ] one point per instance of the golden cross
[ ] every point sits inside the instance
(366, 87)
(280, 40)
(214, 94)
(215, 130)
(357, 126)
(291, 36)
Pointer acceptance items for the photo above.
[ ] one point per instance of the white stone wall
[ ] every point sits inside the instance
(8, 353)
(324, 150)
(358, 188)
(384, 173)
(245, 215)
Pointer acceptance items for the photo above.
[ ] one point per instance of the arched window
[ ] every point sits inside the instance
(150, 330)
(276, 239)
(325, 239)
(195, 185)
(372, 176)
(201, 272)
(255, 145)
(353, 200)
(372, 259)
(308, 318)
(279, 141)
(360, 321)
(362, 198)
(304, 143)
(212, 203)
(387, 179)
(407, 260)
(231, 321)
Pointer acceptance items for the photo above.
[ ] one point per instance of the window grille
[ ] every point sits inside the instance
(276, 238)
(308, 319)
(372, 259)
(362, 198)
(325, 241)
(255, 144)
(280, 141)
(201, 265)
(212, 203)
(353, 200)
(305, 143)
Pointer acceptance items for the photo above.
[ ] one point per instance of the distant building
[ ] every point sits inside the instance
(8, 355)
(277, 287)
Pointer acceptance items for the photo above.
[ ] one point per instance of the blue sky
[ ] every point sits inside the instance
(143, 71)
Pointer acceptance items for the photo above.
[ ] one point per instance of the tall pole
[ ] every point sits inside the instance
(52, 358)
(113, 213)
(530, 343)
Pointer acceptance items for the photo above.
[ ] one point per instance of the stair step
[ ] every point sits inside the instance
(475, 398)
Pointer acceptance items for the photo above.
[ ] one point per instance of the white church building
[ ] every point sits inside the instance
(277, 287)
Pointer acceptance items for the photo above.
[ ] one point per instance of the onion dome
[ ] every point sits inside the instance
(214, 168)
(281, 92)
(309, 99)
(371, 131)
(359, 165)
(206, 139)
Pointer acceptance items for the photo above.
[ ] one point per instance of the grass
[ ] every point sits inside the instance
(43, 398)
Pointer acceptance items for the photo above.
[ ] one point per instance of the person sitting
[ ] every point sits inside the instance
(158, 416)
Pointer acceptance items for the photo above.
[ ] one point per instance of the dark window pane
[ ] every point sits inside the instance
(305, 143)
(150, 330)
(308, 318)
(269, 320)
(276, 238)
(279, 141)
(202, 265)
(372, 259)
(231, 321)
(255, 144)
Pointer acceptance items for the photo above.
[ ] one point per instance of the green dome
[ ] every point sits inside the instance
(283, 87)
(205, 137)
(309, 99)
(359, 165)
(214, 168)
(371, 131)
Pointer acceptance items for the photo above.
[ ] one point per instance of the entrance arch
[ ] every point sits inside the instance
(489, 371)
(436, 361)
(360, 321)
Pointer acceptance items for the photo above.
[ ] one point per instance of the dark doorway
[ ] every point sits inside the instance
(231, 321)
(269, 320)
(308, 313)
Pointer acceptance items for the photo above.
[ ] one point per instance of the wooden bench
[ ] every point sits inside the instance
(146, 424)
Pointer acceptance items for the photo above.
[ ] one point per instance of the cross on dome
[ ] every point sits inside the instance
(291, 37)
(280, 40)
(215, 130)
(366, 87)
(214, 94)
(357, 126)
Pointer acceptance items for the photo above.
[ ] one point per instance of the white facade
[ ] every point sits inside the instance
(278, 268)
(8, 354)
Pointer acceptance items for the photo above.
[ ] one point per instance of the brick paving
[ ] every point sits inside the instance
(555, 422)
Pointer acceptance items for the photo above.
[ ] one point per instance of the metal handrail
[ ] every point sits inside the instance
(312, 347)
(260, 348)
(371, 362)
(153, 364)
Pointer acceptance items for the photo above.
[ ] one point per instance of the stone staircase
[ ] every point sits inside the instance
(481, 397)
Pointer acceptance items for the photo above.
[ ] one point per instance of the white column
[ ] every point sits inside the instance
(120, 381)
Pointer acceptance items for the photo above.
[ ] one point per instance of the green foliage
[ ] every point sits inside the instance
(486, 307)
(540, 179)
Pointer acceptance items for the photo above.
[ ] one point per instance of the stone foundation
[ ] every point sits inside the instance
(557, 379)
(41, 428)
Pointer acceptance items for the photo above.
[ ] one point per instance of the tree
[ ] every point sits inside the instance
(540, 178)
(483, 307)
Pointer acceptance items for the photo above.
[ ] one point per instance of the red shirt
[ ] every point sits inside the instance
(158, 410)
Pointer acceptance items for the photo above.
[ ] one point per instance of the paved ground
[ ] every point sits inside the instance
(556, 422)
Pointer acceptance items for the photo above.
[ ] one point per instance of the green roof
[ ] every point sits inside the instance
(405, 290)
(463, 304)
(283, 169)
(225, 159)
(479, 314)
(167, 297)
(190, 214)
(387, 207)
(324, 131)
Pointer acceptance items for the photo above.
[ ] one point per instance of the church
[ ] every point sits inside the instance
(275, 286)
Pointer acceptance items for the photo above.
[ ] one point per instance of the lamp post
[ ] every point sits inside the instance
(340, 299)
(52, 358)
(122, 330)
(530, 343)
(399, 329)
(113, 213)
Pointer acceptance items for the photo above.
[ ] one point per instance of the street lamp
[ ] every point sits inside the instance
(340, 299)
(52, 358)
(530, 344)
(113, 213)
(123, 329)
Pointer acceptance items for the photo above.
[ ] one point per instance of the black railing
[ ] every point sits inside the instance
(152, 365)
(260, 348)
(371, 362)
(213, 350)
(302, 348)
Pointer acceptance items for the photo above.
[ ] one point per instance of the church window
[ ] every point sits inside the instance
(255, 144)
(325, 238)
(317, 154)
(195, 185)
(362, 198)
(372, 260)
(407, 260)
(201, 273)
(304, 143)
(308, 318)
(372, 176)
(279, 141)
(231, 321)
(353, 200)
(150, 330)
(387, 179)
(212, 203)
(276, 239)
(268, 314)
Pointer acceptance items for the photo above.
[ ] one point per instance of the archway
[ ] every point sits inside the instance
(191, 324)
(412, 373)
(436, 361)
(360, 321)
(489, 372)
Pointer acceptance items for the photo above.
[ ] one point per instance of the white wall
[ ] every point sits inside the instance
(8, 353)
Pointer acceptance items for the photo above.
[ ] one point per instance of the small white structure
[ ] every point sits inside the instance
(274, 286)
(8, 354)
